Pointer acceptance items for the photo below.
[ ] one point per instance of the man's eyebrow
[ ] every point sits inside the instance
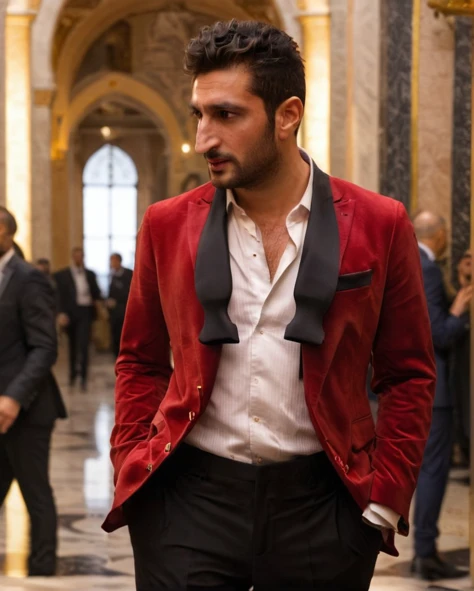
(224, 106)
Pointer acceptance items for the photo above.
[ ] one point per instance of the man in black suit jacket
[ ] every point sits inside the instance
(449, 323)
(118, 296)
(77, 293)
(30, 400)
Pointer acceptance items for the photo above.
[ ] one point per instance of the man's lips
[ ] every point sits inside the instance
(218, 163)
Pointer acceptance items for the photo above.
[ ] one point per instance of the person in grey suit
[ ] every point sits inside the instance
(449, 323)
(30, 400)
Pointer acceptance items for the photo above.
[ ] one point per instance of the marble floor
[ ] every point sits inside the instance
(91, 560)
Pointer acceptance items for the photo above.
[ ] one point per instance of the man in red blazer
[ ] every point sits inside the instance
(253, 460)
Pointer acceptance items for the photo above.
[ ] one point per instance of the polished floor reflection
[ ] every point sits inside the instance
(91, 560)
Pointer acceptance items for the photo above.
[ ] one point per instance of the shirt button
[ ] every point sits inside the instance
(149, 467)
(259, 460)
(255, 381)
(261, 332)
(256, 419)
(255, 256)
(168, 448)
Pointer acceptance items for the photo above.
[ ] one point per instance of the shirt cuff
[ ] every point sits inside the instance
(380, 516)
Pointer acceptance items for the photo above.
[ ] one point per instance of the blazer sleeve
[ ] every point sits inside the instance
(143, 367)
(404, 375)
(93, 286)
(446, 328)
(37, 313)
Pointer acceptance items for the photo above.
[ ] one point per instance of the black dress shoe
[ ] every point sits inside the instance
(42, 573)
(434, 567)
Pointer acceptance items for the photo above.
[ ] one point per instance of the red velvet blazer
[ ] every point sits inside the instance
(386, 321)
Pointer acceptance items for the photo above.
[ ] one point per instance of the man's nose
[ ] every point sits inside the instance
(206, 139)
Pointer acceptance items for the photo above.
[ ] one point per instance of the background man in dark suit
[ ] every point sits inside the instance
(121, 278)
(448, 325)
(78, 293)
(30, 400)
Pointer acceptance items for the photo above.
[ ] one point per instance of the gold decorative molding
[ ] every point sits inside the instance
(43, 97)
(453, 7)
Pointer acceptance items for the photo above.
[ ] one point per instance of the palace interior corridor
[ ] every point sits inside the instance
(91, 560)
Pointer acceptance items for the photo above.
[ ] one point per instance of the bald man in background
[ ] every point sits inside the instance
(449, 323)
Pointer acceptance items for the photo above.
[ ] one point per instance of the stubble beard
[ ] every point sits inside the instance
(260, 166)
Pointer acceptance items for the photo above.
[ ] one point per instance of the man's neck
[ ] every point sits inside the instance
(280, 194)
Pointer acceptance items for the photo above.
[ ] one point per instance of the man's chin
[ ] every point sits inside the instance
(222, 181)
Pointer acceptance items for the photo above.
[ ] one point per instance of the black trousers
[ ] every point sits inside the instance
(205, 522)
(24, 457)
(79, 332)
(432, 481)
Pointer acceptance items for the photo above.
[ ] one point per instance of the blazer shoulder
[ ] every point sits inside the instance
(370, 201)
(168, 208)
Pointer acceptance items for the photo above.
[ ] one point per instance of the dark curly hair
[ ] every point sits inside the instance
(272, 57)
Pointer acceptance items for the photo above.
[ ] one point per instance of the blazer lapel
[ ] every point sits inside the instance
(7, 274)
(319, 268)
(213, 277)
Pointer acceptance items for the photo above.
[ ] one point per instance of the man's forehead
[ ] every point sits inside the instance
(221, 85)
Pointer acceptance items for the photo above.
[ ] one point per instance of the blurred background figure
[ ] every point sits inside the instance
(78, 294)
(119, 288)
(30, 401)
(460, 371)
(449, 324)
(44, 266)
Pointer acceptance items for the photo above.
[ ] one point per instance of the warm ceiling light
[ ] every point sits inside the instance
(185, 148)
(106, 132)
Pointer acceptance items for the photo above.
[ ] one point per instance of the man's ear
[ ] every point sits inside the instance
(288, 118)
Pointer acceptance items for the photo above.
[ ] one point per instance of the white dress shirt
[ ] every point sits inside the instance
(4, 260)
(257, 412)
(83, 292)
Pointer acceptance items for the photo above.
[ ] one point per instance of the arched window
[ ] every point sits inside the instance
(110, 210)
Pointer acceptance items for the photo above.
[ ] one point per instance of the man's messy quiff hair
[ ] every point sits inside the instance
(272, 57)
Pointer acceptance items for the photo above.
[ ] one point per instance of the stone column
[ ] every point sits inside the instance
(315, 21)
(18, 124)
(3, 6)
(60, 212)
(462, 149)
(364, 121)
(340, 68)
(395, 176)
(41, 174)
(432, 170)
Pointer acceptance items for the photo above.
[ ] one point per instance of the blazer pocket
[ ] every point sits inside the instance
(354, 280)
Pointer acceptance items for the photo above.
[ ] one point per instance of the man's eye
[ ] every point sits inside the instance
(225, 114)
(196, 114)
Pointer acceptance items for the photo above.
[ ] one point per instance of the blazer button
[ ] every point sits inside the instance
(192, 416)
(149, 467)
(168, 448)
